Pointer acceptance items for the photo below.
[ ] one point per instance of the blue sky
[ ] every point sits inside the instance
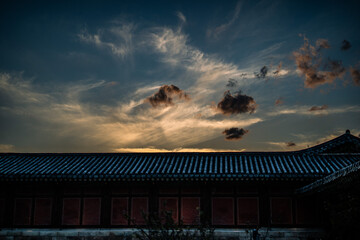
(110, 76)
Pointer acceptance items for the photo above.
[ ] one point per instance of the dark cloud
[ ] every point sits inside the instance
(235, 104)
(345, 45)
(231, 83)
(234, 133)
(263, 72)
(335, 70)
(355, 74)
(290, 144)
(279, 101)
(165, 96)
(308, 61)
(318, 108)
(304, 59)
(322, 43)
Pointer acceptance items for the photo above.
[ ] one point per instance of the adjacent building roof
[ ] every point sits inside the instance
(343, 176)
(344, 143)
(299, 165)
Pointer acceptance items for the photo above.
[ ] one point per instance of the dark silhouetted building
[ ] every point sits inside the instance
(60, 195)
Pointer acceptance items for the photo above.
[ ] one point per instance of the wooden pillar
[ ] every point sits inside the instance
(105, 220)
(205, 204)
(264, 206)
(9, 205)
(153, 198)
(57, 206)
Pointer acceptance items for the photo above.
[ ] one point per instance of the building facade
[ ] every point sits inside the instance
(233, 192)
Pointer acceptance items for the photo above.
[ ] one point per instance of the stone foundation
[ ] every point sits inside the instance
(127, 234)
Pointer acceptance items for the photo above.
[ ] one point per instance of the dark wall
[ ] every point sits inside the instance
(68, 205)
(341, 203)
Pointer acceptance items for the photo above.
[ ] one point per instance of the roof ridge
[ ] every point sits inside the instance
(322, 147)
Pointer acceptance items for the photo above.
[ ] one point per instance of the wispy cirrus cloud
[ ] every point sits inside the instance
(15, 85)
(107, 128)
(117, 39)
(304, 141)
(181, 16)
(287, 145)
(207, 71)
(225, 26)
(290, 144)
(130, 123)
(7, 148)
(312, 110)
(157, 150)
(318, 108)
(176, 51)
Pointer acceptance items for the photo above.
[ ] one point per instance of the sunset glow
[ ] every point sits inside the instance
(177, 76)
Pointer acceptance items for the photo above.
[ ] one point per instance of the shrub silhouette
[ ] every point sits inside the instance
(161, 226)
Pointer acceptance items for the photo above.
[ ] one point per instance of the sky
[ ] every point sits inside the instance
(158, 76)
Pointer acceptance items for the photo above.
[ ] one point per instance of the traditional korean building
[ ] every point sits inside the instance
(54, 195)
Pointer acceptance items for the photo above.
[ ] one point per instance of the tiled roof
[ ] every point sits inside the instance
(312, 163)
(170, 166)
(333, 145)
(344, 175)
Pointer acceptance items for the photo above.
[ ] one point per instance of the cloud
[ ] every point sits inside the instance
(278, 69)
(236, 104)
(243, 75)
(14, 85)
(204, 74)
(145, 90)
(157, 150)
(177, 52)
(117, 39)
(279, 101)
(286, 145)
(318, 108)
(181, 16)
(345, 45)
(263, 72)
(306, 140)
(335, 70)
(232, 83)
(308, 61)
(234, 133)
(304, 61)
(7, 148)
(305, 110)
(129, 122)
(322, 43)
(223, 27)
(83, 127)
(355, 74)
(165, 96)
(290, 144)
